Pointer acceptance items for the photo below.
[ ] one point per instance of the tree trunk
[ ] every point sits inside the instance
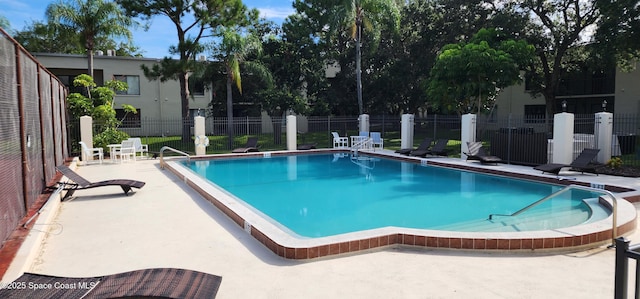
(229, 112)
(359, 72)
(90, 62)
(183, 78)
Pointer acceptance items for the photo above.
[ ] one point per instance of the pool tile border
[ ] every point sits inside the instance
(291, 247)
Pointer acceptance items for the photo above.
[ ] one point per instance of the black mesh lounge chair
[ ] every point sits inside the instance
(438, 149)
(582, 163)
(148, 283)
(80, 183)
(479, 153)
(424, 145)
(251, 146)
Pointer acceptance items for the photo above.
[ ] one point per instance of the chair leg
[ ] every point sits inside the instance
(68, 194)
(126, 189)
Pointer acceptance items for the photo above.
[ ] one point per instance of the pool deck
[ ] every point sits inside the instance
(168, 224)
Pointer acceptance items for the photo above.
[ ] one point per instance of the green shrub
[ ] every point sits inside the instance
(615, 162)
(109, 136)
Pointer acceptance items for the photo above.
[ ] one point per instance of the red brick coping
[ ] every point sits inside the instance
(587, 236)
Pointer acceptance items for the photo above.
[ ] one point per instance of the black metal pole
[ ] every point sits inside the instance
(622, 269)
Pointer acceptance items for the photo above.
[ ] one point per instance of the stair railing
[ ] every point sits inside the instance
(614, 230)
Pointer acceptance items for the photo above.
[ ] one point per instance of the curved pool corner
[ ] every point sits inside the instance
(272, 236)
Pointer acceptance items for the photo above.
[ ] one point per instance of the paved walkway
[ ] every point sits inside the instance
(166, 224)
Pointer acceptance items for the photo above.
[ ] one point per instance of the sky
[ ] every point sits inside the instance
(153, 43)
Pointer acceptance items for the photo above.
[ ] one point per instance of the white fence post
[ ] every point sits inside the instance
(562, 146)
(86, 134)
(468, 133)
(292, 132)
(604, 135)
(406, 133)
(201, 140)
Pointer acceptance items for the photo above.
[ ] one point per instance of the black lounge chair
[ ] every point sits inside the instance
(478, 152)
(148, 283)
(582, 163)
(251, 146)
(80, 183)
(424, 145)
(438, 149)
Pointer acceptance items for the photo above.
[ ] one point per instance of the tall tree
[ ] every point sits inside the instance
(618, 34)
(359, 15)
(303, 54)
(425, 28)
(47, 38)
(193, 20)
(557, 29)
(4, 23)
(477, 70)
(92, 19)
(232, 50)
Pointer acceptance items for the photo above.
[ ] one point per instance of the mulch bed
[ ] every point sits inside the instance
(624, 171)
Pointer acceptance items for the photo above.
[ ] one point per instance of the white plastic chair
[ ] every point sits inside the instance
(126, 151)
(376, 140)
(339, 142)
(91, 152)
(142, 149)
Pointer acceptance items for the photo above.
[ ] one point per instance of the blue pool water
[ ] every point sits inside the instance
(325, 194)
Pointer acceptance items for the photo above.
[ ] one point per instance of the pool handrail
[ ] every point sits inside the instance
(614, 230)
(161, 155)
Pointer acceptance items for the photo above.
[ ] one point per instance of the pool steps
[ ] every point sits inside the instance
(522, 222)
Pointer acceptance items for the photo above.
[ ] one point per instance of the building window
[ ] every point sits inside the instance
(133, 83)
(535, 113)
(67, 80)
(129, 120)
(196, 86)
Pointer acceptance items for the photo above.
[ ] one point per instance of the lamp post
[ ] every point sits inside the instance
(564, 105)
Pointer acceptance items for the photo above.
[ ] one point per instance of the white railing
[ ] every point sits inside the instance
(173, 150)
(361, 142)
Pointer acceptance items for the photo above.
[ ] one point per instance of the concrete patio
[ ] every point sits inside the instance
(167, 224)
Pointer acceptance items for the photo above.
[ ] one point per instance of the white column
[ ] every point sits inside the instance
(406, 133)
(604, 135)
(292, 132)
(363, 123)
(201, 140)
(86, 134)
(562, 138)
(467, 134)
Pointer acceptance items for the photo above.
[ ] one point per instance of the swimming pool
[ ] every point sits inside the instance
(328, 194)
(288, 243)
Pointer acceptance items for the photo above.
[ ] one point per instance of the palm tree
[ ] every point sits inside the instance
(92, 19)
(232, 51)
(367, 15)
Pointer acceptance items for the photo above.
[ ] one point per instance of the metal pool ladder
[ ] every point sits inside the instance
(614, 230)
(162, 163)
